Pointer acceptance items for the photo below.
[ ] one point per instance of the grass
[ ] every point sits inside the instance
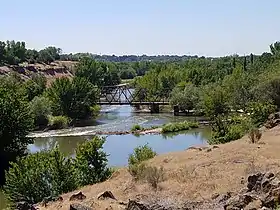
(180, 126)
(137, 127)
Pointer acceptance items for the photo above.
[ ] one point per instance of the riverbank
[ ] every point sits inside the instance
(199, 174)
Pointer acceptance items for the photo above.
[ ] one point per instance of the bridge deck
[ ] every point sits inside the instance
(132, 103)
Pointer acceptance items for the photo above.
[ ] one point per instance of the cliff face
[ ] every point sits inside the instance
(50, 71)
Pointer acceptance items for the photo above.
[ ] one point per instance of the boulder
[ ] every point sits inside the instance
(77, 196)
(78, 206)
(106, 195)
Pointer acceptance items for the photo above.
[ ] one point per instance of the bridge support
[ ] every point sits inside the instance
(154, 108)
(176, 110)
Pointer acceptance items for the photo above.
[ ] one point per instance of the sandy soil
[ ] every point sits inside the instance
(192, 175)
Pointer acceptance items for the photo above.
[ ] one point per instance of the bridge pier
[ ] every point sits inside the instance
(154, 108)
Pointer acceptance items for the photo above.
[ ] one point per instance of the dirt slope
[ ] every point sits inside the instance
(50, 71)
(192, 175)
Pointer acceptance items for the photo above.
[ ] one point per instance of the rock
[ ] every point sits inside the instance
(238, 202)
(209, 150)
(215, 196)
(105, 195)
(224, 197)
(134, 205)
(255, 205)
(215, 147)
(254, 181)
(78, 206)
(77, 196)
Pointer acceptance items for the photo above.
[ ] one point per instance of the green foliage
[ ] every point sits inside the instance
(40, 108)
(16, 122)
(186, 99)
(98, 73)
(91, 162)
(136, 128)
(259, 112)
(48, 174)
(40, 175)
(225, 130)
(35, 86)
(74, 99)
(58, 122)
(215, 102)
(135, 160)
(180, 126)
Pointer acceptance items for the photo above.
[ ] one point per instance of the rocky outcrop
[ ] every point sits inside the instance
(77, 196)
(78, 206)
(273, 120)
(106, 195)
(263, 191)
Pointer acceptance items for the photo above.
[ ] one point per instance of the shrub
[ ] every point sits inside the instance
(91, 162)
(136, 128)
(135, 160)
(40, 175)
(260, 112)
(48, 174)
(40, 108)
(154, 175)
(224, 130)
(255, 135)
(180, 126)
(58, 122)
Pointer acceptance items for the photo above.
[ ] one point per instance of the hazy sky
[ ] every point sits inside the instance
(203, 27)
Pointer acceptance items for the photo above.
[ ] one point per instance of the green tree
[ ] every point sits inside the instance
(40, 108)
(215, 102)
(91, 162)
(98, 73)
(35, 86)
(39, 176)
(72, 98)
(16, 122)
(187, 99)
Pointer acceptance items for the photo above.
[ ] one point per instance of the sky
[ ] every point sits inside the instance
(151, 27)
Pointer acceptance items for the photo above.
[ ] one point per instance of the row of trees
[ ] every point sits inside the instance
(13, 53)
(219, 86)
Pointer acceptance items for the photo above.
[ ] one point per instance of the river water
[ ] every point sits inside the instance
(120, 118)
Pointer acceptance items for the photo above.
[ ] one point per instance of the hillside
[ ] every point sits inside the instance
(50, 71)
(192, 176)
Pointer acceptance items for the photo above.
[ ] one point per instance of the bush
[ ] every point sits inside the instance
(40, 175)
(91, 162)
(255, 135)
(260, 112)
(224, 130)
(136, 128)
(135, 160)
(48, 174)
(58, 122)
(180, 126)
(154, 175)
(40, 108)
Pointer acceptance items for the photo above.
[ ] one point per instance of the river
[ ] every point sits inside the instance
(119, 118)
